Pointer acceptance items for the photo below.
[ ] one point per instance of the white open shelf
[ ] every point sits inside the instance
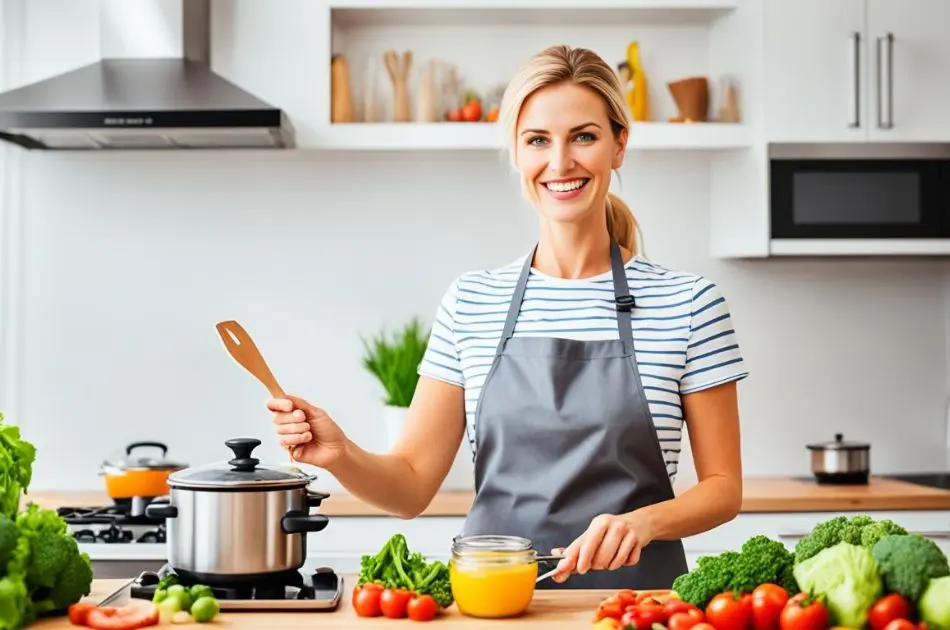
(527, 12)
(488, 136)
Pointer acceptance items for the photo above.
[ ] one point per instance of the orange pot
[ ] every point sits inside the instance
(130, 477)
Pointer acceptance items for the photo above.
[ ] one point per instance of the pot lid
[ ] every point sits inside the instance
(143, 460)
(241, 471)
(839, 444)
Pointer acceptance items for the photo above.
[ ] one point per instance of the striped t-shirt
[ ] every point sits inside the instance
(682, 333)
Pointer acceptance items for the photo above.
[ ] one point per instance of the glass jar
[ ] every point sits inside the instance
(492, 577)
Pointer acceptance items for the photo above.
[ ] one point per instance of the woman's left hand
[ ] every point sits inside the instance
(610, 542)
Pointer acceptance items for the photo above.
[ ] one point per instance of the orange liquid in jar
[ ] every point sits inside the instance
(492, 591)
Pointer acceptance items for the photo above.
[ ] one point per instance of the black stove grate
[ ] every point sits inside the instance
(317, 590)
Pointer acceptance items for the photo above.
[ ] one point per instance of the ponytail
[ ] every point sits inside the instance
(621, 223)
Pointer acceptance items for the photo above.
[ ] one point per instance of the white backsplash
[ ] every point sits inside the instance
(128, 261)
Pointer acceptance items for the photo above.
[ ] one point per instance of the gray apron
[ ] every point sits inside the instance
(563, 434)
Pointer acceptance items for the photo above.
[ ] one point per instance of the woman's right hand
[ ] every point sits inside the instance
(312, 434)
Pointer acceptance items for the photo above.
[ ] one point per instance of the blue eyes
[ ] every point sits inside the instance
(583, 137)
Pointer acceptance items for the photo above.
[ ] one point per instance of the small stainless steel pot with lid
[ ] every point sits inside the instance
(841, 462)
(238, 520)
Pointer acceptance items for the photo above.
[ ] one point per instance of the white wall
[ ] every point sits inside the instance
(124, 263)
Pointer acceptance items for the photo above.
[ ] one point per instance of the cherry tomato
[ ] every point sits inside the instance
(122, 618)
(887, 609)
(394, 602)
(768, 601)
(901, 624)
(728, 611)
(367, 600)
(685, 620)
(677, 605)
(422, 608)
(626, 597)
(610, 608)
(802, 612)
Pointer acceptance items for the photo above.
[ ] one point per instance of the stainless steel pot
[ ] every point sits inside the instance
(842, 462)
(236, 520)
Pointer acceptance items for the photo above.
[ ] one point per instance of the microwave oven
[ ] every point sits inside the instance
(857, 194)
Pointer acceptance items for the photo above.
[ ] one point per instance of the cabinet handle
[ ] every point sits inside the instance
(855, 104)
(885, 81)
(938, 535)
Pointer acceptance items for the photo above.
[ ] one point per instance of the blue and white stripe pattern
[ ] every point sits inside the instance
(682, 331)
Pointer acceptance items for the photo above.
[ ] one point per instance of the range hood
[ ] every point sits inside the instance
(153, 89)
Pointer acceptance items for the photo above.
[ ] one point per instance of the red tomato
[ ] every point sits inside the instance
(901, 624)
(472, 111)
(78, 613)
(887, 609)
(704, 626)
(367, 600)
(643, 616)
(802, 612)
(728, 611)
(123, 618)
(394, 602)
(768, 600)
(422, 608)
(685, 620)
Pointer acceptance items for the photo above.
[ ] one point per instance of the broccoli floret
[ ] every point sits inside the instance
(8, 540)
(908, 562)
(762, 560)
(874, 532)
(56, 574)
(860, 530)
(712, 575)
(396, 567)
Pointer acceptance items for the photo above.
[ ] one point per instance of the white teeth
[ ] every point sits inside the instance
(566, 186)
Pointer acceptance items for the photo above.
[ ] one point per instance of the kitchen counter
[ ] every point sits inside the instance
(760, 494)
(557, 610)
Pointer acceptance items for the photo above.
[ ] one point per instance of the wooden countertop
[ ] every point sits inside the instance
(760, 494)
(557, 610)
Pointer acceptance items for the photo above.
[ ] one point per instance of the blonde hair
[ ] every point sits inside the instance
(560, 64)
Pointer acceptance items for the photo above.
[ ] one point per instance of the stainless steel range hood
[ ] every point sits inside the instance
(153, 89)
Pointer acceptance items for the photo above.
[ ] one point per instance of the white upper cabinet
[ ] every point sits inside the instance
(815, 75)
(857, 70)
(909, 90)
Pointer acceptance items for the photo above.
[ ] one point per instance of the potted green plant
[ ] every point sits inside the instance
(394, 361)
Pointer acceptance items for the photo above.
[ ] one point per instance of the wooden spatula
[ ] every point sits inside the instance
(242, 348)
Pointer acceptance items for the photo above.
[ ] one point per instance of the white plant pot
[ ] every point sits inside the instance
(394, 419)
(461, 475)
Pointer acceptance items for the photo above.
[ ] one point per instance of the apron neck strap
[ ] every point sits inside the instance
(623, 301)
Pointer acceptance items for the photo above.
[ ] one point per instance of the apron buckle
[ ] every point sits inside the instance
(625, 303)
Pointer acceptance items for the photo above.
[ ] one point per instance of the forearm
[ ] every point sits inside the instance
(387, 482)
(710, 503)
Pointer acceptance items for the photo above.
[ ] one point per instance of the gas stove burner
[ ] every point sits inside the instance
(105, 515)
(116, 534)
(295, 590)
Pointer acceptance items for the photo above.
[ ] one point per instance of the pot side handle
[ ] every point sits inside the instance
(315, 499)
(161, 510)
(297, 522)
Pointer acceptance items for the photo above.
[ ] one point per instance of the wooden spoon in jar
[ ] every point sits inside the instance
(243, 350)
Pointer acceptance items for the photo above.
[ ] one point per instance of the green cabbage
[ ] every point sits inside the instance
(848, 577)
(934, 604)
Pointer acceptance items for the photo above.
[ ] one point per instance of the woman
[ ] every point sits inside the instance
(571, 369)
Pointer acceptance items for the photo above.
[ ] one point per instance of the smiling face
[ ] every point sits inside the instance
(565, 152)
